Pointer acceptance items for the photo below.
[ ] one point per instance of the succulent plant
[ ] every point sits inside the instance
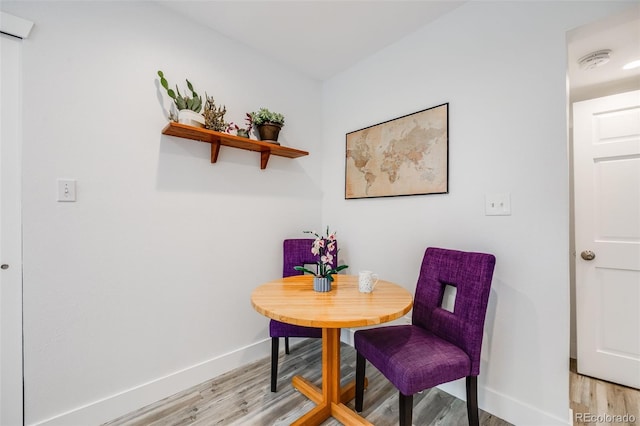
(194, 103)
(263, 116)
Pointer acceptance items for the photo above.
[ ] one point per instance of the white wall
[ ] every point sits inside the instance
(141, 288)
(502, 68)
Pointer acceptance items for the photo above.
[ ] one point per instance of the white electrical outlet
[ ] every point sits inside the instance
(497, 204)
(66, 190)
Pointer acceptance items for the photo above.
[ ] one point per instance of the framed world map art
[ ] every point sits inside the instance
(405, 156)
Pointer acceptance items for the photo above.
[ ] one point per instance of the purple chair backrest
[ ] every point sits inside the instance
(471, 274)
(297, 252)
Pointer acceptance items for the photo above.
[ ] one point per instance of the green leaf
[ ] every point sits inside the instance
(338, 269)
(161, 74)
(171, 94)
(303, 269)
(197, 104)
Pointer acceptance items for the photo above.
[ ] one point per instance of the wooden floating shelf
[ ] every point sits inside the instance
(216, 139)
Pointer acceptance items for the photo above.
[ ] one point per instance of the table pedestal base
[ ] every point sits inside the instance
(331, 398)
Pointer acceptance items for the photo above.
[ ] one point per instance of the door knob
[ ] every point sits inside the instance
(588, 255)
(4, 266)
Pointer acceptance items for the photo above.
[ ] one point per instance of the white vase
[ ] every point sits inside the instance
(190, 118)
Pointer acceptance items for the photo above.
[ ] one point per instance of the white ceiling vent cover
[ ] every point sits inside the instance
(595, 59)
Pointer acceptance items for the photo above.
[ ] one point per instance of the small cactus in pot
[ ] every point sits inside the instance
(185, 103)
(194, 103)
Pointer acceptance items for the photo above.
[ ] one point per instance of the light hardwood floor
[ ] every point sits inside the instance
(592, 398)
(242, 397)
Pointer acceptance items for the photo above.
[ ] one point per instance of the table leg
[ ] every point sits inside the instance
(330, 398)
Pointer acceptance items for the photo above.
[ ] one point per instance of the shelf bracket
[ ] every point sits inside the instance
(264, 159)
(215, 149)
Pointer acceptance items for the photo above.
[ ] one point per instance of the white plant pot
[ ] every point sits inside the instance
(190, 118)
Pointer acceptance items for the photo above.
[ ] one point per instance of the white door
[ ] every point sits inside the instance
(10, 235)
(607, 220)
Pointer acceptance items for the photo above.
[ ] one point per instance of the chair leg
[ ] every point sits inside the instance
(472, 400)
(275, 348)
(361, 365)
(286, 345)
(405, 408)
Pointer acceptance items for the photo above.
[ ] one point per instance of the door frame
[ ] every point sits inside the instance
(11, 361)
(606, 88)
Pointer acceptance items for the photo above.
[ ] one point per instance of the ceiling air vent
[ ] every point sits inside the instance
(595, 59)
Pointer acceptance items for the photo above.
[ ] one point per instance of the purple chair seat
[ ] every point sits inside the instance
(281, 329)
(404, 361)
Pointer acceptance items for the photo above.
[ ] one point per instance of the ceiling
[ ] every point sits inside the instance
(619, 33)
(320, 38)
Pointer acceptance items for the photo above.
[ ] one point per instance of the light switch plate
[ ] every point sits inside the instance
(497, 205)
(66, 190)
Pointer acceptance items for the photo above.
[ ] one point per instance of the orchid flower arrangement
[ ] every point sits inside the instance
(325, 248)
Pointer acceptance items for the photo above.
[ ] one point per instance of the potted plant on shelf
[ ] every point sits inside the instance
(268, 124)
(214, 116)
(325, 248)
(244, 132)
(189, 107)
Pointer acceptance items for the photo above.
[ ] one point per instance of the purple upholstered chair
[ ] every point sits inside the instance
(439, 346)
(297, 252)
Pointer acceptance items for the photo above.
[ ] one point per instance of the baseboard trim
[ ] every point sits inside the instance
(124, 402)
(506, 407)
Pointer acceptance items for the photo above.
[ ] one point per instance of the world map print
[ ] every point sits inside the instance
(405, 156)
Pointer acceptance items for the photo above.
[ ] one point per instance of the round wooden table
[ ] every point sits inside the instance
(293, 300)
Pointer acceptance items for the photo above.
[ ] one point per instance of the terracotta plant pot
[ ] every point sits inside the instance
(269, 132)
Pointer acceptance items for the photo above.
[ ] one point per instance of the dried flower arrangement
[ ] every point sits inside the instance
(214, 116)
